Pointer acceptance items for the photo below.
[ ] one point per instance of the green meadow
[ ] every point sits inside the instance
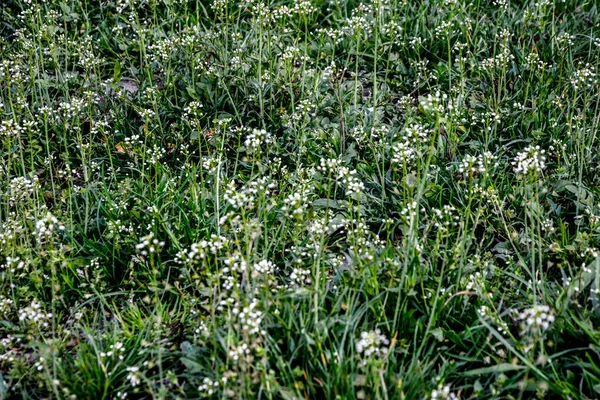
(313, 199)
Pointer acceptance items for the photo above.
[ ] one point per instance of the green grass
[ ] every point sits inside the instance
(299, 200)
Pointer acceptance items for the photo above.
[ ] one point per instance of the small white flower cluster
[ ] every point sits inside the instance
(229, 283)
(323, 224)
(263, 267)
(88, 59)
(45, 227)
(115, 349)
(354, 186)
(245, 196)
(239, 351)
(305, 109)
(438, 102)
(73, 108)
(533, 62)
(34, 315)
(120, 395)
(471, 165)
(295, 204)
(118, 227)
(210, 164)
(208, 386)
(486, 313)
(372, 343)
(409, 212)
(300, 276)
(13, 264)
(303, 7)
(5, 305)
(234, 263)
(489, 195)
(256, 139)
(149, 244)
(476, 165)
(530, 161)
(199, 251)
(356, 25)
(407, 150)
(192, 113)
(133, 376)
(329, 166)
(155, 154)
(21, 188)
(380, 132)
(565, 40)
(474, 281)
(11, 228)
(590, 251)
(501, 60)
(134, 139)
(147, 113)
(403, 153)
(293, 54)
(417, 133)
(249, 317)
(443, 29)
(202, 328)
(10, 349)
(392, 29)
(238, 198)
(442, 393)
(445, 217)
(40, 363)
(218, 6)
(584, 77)
(10, 128)
(547, 225)
(501, 4)
(362, 240)
(536, 320)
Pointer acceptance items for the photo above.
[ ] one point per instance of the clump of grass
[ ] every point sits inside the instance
(313, 199)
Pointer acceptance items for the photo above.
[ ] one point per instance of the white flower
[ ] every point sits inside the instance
(530, 160)
(442, 393)
(45, 227)
(403, 153)
(208, 386)
(133, 376)
(295, 204)
(372, 343)
(34, 315)
(536, 319)
(22, 188)
(263, 267)
(256, 139)
(347, 176)
(149, 245)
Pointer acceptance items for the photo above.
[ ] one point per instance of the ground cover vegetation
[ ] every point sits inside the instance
(299, 199)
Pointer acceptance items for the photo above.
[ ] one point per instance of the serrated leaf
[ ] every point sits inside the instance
(438, 333)
(192, 92)
(349, 153)
(191, 365)
(130, 86)
(187, 348)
